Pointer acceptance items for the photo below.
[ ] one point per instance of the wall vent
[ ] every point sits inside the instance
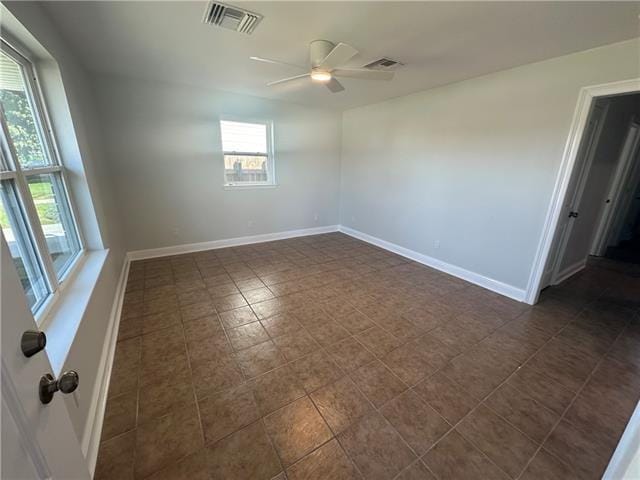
(233, 18)
(383, 64)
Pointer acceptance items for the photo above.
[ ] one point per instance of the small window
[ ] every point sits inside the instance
(35, 213)
(248, 153)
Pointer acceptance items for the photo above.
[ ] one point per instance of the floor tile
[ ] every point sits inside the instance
(523, 412)
(586, 454)
(416, 359)
(378, 383)
(607, 401)
(296, 430)
(158, 321)
(568, 365)
(328, 334)
(247, 335)
(157, 399)
(193, 467)
(163, 441)
(201, 328)
(376, 448)
(257, 295)
(237, 317)
(259, 359)
(213, 376)
(327, 462)
(350, 354)
(542, 388)
(247, 454)
(479, 371)
(440, 358)
(454, 457)
(354, 322)
(340, 403)
(207, 348)
(507, 447)
(223, 289)
(546, 466)
(226, 412)
(316, 370)
(276, 389)
(378, 341)
(416, 471)
(116, 458)
(419, 424)
(120, 415)
(230, 302)
(296, 345)
(193, 296)
(281, 324)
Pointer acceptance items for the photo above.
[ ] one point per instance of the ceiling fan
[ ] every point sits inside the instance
(325, 60)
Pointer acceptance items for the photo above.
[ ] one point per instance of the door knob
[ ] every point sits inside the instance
(67, 383)
(32, 342)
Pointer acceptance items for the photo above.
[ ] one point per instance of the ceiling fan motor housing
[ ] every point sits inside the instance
(318, 51)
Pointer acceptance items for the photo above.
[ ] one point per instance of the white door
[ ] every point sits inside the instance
(569, 214)
(628, 204)
(620, 196)
(38, 441)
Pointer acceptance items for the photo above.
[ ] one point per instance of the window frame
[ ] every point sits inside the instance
(11, 170)
(271, 171)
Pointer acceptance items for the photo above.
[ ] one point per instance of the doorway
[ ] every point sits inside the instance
(595, 196)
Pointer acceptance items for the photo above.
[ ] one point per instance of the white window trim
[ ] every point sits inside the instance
(20, 175)
(271, 170)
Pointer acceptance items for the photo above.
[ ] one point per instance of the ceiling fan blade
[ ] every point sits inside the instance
(288, 79)
(340, 54)
(362, 73)
(334, 85)
(277, 62)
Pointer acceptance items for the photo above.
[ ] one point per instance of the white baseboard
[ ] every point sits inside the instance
(227, 242)
(569, 271)
(95, 419)
(475, 278)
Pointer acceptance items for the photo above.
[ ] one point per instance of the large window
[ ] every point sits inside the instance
(248, 155)
(35, 214)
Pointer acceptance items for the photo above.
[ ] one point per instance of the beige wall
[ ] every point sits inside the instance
(163, 141)
(471, 165)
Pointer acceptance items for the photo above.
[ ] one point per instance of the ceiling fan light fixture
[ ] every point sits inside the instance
(320, 76)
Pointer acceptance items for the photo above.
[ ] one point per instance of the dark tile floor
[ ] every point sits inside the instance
(326, 358)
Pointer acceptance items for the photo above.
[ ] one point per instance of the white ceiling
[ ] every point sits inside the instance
(440, 43)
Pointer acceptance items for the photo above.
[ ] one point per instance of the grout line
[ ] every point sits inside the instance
(348, 373)
(573, 400)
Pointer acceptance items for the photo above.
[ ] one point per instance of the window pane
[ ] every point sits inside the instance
(243, 137)
(57, 223)
(22, 125)
(245, 168)
(21, 246)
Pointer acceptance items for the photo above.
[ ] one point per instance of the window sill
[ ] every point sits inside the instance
(64, 315)
(249, 187)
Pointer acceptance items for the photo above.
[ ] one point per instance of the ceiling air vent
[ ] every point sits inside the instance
(383, 64)
(233, 18)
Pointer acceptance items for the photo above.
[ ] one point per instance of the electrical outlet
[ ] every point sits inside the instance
(436, 244)
(175, 232)
(315, 217)
(250, 223)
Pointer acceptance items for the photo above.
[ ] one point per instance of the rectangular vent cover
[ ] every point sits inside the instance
(233, 18)
(383, 64)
